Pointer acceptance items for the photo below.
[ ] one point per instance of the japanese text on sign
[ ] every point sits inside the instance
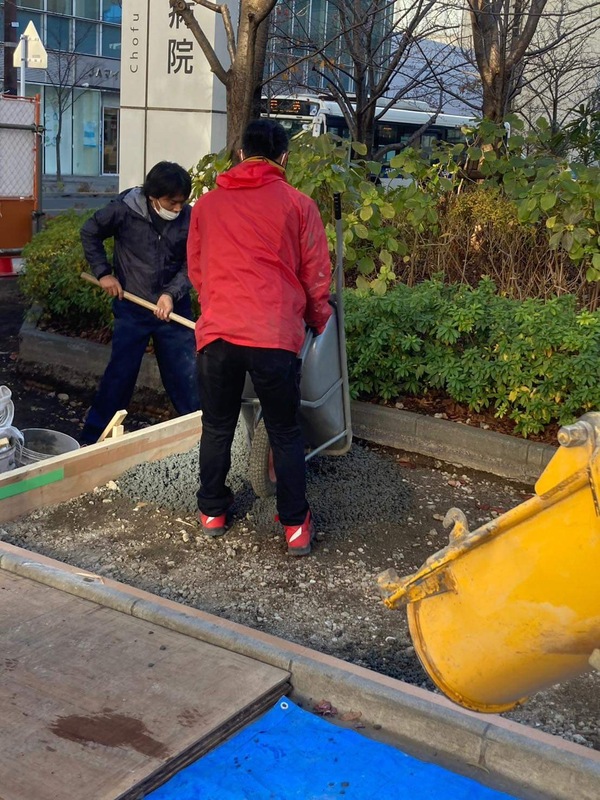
(180, 51)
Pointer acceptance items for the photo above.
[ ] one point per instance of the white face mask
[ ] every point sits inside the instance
(164, 213)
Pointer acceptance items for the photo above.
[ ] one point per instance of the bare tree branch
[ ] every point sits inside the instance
(370, 50)
(243, 78)
(187, 15)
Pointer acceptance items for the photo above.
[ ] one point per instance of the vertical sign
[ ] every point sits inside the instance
(172, 106)
(134, 61)
(180, 54)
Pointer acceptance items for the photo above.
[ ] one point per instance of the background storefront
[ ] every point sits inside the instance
(79, 90)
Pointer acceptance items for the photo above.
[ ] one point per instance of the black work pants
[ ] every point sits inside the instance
(222, 369)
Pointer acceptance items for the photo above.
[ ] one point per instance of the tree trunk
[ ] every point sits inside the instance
(495, 96)
(502, 32)
(365, 117)
(365, 125)
(245, 76)
(262, 38)
(238, 115)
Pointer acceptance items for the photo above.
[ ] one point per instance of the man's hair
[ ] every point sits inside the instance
(266, 138)
(167, 179)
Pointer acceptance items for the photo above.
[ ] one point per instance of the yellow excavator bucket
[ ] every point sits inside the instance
(514, 606)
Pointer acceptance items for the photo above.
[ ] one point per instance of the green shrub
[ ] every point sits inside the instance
(479, 234)
(511, 210)
(320, 167)
(549, 192)
(533, 361)
(54, 262)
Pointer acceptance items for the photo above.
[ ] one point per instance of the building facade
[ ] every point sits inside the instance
(303, 27)
(173, 107)
(79, 90)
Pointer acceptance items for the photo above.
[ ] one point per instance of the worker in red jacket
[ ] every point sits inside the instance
(259, 260)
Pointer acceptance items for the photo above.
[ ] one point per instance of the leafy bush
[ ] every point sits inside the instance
(532, 361)
(54, 261)
(319, 167)
(547, 190)
(479, 233)
(505, 208)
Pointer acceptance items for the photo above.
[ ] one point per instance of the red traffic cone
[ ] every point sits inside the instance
(9, 266)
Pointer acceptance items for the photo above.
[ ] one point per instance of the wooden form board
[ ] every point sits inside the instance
(61, 478)
(96, 704)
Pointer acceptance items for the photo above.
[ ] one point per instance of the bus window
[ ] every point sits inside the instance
(386, 133)
(294, 126)
(393, 133)
(338, 126)
(429, 139)
(455, 136)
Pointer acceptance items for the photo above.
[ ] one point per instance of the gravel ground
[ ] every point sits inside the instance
(374, 509)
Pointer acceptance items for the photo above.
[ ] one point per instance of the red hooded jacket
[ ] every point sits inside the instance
(258, 258)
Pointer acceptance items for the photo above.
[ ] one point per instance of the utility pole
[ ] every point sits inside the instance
(11, 37)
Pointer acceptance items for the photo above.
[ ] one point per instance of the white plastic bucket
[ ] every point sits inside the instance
(40, 443)
(7, 408)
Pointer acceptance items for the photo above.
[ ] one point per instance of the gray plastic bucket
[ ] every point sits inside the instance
(8, 452)
(41, 443)
(7, 459)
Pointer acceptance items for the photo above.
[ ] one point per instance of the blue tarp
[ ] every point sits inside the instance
(290, 754)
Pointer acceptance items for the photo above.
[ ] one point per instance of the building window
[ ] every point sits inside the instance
(57, 32)
(90, 9)
(55, 121)
(59, 6)
(86, 35)
(111, 41)
(110, 138)
(86, 132)
(37, 4)
(25, 17)
(111, 11)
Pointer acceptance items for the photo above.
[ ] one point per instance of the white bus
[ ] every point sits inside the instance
(397, 125)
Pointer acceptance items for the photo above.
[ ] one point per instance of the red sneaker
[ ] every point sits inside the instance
(299, 537)
(213, 526)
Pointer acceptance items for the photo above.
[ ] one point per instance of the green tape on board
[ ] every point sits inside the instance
(28, 484)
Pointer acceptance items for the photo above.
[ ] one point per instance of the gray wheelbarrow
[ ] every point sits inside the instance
(325, 396)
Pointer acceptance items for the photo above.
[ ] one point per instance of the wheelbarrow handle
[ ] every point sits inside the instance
(337, 205)
(339, 245)
(133, 298)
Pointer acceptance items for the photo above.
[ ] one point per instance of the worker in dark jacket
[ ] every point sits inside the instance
(150, 228)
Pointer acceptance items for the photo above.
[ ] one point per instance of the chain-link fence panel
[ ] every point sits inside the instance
(17, 147)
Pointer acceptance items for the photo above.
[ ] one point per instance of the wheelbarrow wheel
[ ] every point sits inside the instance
(262, 471)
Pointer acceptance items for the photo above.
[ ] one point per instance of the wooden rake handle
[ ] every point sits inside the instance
(133, 298)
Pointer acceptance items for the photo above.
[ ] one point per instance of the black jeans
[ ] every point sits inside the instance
(222, 369)
(175, 350)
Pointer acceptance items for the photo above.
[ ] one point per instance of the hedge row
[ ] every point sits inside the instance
(534, 361)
